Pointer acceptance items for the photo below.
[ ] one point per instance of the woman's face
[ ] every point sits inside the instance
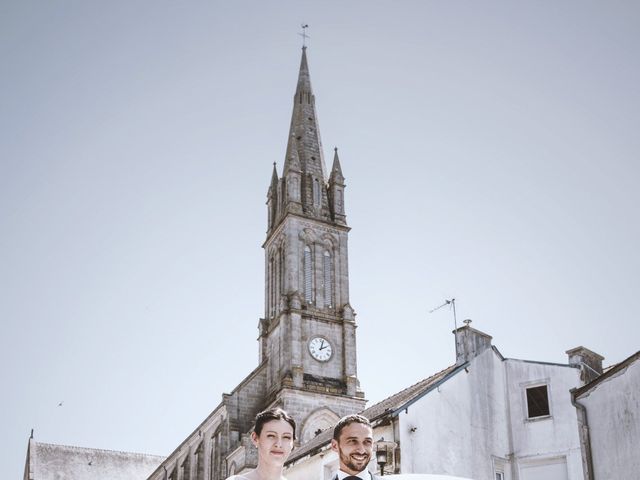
(275, 442)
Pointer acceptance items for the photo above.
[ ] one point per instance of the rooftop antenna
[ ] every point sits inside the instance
(304, 35)
(452, 303)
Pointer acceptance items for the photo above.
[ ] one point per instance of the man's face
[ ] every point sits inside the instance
(354, 447)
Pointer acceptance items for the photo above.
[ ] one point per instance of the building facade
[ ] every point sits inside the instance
(485, 417)
(608, 410)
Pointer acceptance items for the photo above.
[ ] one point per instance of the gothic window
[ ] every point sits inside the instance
(320, 420)
(327, 278)
(292, 189)
(212, 458)
(272, 286)
(214, 470)
(199, 461)
(186, 468)
(281, 270)
(308, 274)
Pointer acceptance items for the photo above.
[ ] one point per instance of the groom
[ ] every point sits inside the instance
(353, 442)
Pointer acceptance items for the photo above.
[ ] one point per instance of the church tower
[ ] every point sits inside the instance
(307, 336)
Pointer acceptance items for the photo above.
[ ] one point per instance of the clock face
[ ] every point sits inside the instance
(320, 349)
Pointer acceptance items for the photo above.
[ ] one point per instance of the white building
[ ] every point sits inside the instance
(486, 417)
(609, 415)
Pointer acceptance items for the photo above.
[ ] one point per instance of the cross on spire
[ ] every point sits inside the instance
(304, 35)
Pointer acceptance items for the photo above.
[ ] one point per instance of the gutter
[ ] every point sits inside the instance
(395, 412)
(585, 438)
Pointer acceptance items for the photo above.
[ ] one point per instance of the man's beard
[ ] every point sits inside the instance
(350, 463)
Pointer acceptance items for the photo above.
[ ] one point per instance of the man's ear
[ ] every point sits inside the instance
(254, 438)
(334, 445)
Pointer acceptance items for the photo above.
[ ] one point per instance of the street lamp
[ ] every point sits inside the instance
(381, 456)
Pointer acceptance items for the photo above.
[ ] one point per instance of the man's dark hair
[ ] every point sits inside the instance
(273, 414)
(348, 420)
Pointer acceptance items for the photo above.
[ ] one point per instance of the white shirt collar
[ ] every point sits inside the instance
(364, 475)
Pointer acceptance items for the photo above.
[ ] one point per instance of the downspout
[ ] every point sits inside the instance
(511, 455)
(585, 438)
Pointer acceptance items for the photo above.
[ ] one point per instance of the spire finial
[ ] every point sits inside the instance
(304, 35)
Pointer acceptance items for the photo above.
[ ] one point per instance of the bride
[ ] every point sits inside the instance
(273, 434)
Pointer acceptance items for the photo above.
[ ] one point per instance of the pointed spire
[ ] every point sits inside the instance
(336, 169)
(273, 188)
(304, 134)
(304, 79)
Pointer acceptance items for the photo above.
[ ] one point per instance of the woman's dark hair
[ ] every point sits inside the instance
(273, 414)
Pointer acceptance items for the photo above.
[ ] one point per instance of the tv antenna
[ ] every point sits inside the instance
(452, 304)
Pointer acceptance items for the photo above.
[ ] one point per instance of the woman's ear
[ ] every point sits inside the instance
(254, 438)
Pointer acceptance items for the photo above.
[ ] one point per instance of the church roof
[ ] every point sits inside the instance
(47, 461)
(389, 406)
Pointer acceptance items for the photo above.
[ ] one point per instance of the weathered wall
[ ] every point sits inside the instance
(549, 439)
(475, 423)
(613, 412)
(456, 428)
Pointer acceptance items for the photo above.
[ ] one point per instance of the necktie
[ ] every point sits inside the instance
(352, 477)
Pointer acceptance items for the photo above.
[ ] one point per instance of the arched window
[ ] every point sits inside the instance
(281, 271)
(308, 274)
(327, 278)
(272, 286)
(199, 461)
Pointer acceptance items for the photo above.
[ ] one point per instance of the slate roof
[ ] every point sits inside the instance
(51, 462)
(388, 406)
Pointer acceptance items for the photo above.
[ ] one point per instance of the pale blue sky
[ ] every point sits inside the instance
(490, 151)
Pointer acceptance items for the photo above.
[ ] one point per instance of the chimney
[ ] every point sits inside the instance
(590, 363)
(470, 342)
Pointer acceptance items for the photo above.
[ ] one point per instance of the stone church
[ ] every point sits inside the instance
(307, 337)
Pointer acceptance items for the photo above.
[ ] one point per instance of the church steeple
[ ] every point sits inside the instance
(305, 173)
(307, 337)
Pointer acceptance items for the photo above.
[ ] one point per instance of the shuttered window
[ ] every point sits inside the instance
(308, 275)
(327, 279)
